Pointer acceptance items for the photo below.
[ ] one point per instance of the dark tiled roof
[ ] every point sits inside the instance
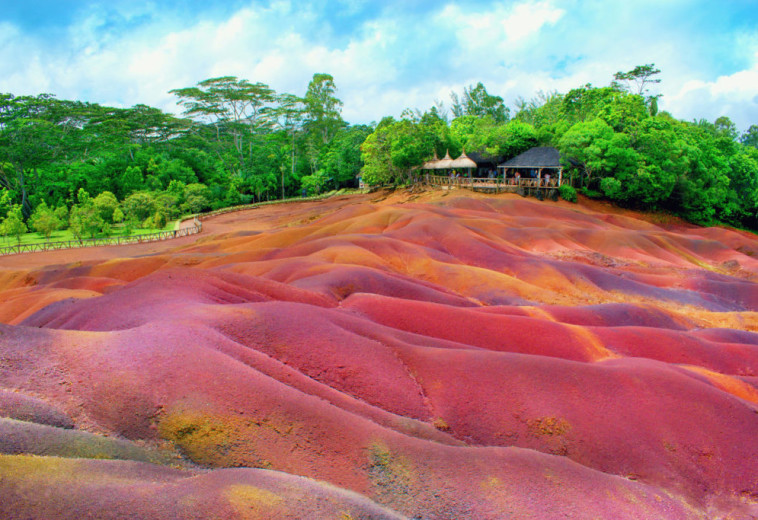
(540, 157)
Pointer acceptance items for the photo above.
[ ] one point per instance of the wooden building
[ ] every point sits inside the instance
(541, 164)
(535, 172)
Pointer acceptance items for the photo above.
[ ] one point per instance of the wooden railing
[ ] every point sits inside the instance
(196, 227)
(496, 184)
(178, 232)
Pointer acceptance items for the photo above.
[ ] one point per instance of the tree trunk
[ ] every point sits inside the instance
(26, 207)
(293, 163)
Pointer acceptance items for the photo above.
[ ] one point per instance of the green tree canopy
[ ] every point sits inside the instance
(639, 78)
(44, 220)
(13, 225)
(750, 137)
(476, 101)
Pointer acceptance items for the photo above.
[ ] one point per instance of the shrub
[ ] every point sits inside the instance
(568, 193)
(85, 221)
(197, 198)
(106, 203)
(130, 224)
(5, 203)
(61, 213)
(131, 180)
(13, 225)
(138, 206)
(153, 183)
(612, 187)
(167, 203)
(44, 220)
(592, 194)
(159, 220)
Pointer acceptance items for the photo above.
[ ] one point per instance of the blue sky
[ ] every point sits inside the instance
(385, 56)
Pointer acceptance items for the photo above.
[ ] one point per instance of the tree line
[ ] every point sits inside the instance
(614, 143)
(91, 167)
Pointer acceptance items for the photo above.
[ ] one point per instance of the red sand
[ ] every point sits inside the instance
(480, 357)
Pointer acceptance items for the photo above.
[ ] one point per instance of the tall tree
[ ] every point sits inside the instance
(342, 160)
(233, 106)
(640, 78)
(290, 114)
(324, 116)
(376, 152)
(476, 101)
(586, 144)
(750, 137)
(30, 135)
(725, 127)
(481, 103)
(393, 150)
(324, 109)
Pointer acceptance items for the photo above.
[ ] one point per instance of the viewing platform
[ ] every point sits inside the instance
(537, 171)
(496, 185)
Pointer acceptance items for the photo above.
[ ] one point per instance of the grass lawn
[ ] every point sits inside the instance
(65, 235)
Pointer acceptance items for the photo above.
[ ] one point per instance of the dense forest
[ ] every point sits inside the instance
(89, 167)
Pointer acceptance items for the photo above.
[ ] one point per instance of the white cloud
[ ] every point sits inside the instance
(269, 45)
(8, 34)
(382, 65)
(500, 27)
(527, 19)
(735, 95)
(485, 39)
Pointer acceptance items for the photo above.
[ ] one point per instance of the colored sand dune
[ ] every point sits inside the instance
(436, 358)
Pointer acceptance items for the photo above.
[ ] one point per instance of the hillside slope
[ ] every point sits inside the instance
(385, 357)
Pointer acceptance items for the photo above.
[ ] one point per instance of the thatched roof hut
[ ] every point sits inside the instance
(431, 165)
(470, 161)
(445, 162)
(463, 162)
(439, 164)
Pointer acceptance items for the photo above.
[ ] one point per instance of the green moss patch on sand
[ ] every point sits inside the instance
(253, 503)
(19, 437)
(219, 440)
